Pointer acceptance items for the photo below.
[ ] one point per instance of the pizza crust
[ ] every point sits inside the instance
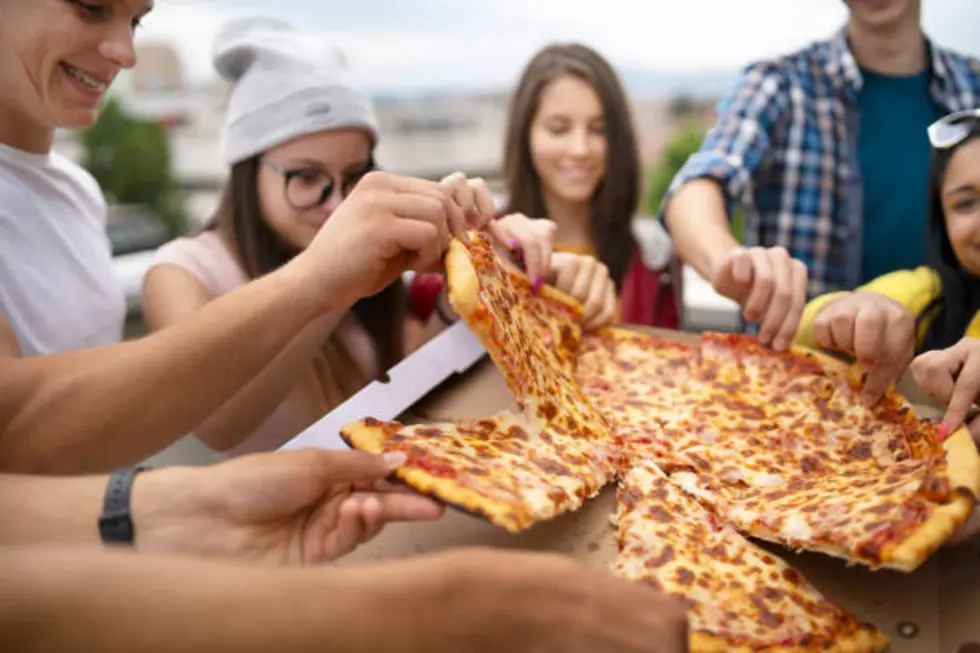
(866, 640)
(831, 364)
(464, 285)
(364, 437)
(963, 461)
(942, 523)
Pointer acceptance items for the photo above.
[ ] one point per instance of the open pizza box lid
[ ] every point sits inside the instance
(933, 610)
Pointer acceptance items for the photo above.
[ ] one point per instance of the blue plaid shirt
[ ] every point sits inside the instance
(785, 148)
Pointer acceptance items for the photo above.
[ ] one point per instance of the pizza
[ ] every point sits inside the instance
(500, 467)
(739, 597)
(513, 469)
(710, 444)
(533, 337)
(783, 447)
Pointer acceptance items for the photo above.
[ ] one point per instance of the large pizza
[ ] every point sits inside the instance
(710, 444)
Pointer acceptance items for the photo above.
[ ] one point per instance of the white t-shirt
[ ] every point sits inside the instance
(58, 287)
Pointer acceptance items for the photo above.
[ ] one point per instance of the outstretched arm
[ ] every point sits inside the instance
(94, 409)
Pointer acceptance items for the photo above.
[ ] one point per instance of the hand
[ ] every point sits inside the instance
(769, 285)
(952, 377)
(528, 602)
(532, 241)
(873, 328)
(386, 225)
(586, 279)
(473, 197)
(298, 507)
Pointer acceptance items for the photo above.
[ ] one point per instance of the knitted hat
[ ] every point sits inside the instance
(287, 84)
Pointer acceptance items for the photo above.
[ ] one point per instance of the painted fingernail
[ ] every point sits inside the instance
(538, 282)
(394, 459)
(513, 244)
(942, 431)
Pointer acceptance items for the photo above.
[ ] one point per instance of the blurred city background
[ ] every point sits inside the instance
(440, 72)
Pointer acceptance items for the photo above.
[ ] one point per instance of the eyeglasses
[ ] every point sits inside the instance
(950, 130)
(306, 188)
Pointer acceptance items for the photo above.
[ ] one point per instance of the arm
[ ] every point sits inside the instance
(171, 295)
(299, 507)
(496, 601)
(102, 407)
(698, 223)
(51, 600)
(701, 198)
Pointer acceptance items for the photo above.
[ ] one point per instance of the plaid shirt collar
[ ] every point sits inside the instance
(948, 87)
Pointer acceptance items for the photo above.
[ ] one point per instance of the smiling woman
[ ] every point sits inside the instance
(57, 60)
(571, 156)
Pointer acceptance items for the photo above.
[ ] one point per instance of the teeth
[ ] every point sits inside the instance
(86, 79)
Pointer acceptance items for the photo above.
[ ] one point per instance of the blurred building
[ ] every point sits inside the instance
(428, 135)
(159, 69)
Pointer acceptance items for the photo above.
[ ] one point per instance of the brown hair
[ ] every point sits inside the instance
(238, 219)
(617, 195)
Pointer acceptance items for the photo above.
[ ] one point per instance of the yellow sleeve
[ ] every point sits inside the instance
(913, 289)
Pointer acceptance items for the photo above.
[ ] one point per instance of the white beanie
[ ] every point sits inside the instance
(287, 84)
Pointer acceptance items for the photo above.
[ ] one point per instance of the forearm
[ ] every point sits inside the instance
(59, 510)
(50, 510)
(699, 226)
(93, 409)
(52, 600)
(245, 411)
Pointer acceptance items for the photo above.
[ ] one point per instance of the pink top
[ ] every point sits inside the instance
(206, 257)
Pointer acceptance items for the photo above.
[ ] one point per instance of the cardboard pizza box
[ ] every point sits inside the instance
(933, 610)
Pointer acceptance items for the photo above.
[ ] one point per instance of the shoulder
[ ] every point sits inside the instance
(768, 84)
(962, 66)
(29, 183)
(78, 175)
(206, 257)
(793, 65)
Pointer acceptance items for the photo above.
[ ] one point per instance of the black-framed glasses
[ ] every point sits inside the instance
(950, 130)
(310, 186)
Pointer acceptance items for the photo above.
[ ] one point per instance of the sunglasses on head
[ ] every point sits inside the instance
(950, 130)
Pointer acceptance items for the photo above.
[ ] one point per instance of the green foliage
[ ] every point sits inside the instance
(685, 143)
(131, 160)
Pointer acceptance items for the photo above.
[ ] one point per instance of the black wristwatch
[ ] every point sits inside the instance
(115, 522)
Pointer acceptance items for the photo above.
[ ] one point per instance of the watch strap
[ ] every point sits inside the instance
(116, 522)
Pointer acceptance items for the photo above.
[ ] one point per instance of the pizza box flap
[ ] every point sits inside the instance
(929, 611)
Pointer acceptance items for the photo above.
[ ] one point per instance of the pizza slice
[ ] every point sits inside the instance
(871, 484)
(501, 467)
(513, 469)
(783, 447)
(532, 337)
(739, 597)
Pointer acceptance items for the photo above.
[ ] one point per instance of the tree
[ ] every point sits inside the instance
(684, 143)
(131, 160)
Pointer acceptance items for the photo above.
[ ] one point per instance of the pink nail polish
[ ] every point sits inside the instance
(538, 282)
(512, 244)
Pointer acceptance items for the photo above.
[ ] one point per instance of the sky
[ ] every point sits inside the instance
(421, 44)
